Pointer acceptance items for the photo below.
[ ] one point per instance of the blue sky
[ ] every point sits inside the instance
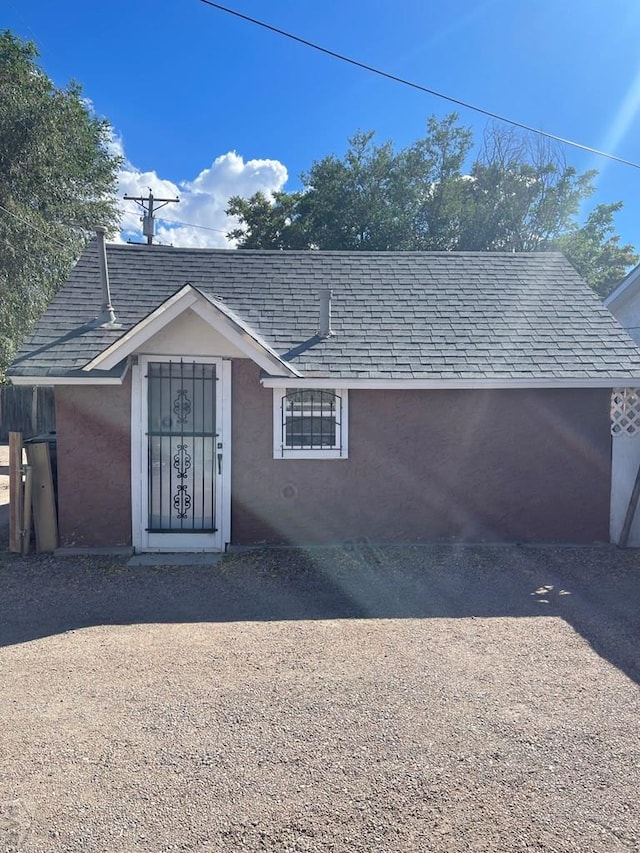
(206, 105)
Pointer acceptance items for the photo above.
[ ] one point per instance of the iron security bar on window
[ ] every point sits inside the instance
(311, 420)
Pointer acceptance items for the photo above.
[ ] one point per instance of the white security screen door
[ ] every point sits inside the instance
(185, 455)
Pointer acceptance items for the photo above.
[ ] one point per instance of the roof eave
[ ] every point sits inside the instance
(441, 383)
(212, 312)
(623, 290)
(89, 379)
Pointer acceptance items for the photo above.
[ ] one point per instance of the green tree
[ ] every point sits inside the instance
(595, 251)
(435, 184)
(268, 223)
(520, 194)
(358, 202)
(517, 194)
(57, 181)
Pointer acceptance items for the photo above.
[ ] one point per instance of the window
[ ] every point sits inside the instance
(309, 423)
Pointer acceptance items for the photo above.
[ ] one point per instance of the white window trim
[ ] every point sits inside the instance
(280, 452)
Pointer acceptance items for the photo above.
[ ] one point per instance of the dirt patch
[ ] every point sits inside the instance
(426, 699)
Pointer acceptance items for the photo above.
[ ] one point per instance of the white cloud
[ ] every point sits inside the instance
(115, 144)
(200, 218)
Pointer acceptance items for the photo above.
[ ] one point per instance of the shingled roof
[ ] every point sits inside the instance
(396, 315)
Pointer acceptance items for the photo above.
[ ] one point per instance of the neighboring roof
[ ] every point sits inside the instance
(625, 289)
(396, 315)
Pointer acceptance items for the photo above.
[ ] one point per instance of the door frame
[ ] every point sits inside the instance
(139, 457)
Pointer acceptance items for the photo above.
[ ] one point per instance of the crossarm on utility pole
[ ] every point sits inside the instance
(152, 204)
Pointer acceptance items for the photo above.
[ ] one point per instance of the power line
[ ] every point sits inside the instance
(191, 225)
(343, 58)
(147, 203)
(185, 224)
(34, 228)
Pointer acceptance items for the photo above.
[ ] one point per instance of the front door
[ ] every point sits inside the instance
(183, 495)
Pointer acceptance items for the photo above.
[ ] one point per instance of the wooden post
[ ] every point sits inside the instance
(15, 492)
(26, 515)
(34, 410)
(44, 506)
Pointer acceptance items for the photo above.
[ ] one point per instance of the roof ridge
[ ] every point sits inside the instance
(355, 253)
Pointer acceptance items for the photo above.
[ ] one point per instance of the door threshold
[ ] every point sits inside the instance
(181, 558)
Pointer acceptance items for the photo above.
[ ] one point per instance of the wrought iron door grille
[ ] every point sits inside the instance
(181, 447)
(311, 420)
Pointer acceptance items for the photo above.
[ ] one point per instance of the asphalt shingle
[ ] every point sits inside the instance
(420, 315)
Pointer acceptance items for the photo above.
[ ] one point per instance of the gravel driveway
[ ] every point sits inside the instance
(364, 699)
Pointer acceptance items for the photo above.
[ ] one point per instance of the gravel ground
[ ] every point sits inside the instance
(363, 699)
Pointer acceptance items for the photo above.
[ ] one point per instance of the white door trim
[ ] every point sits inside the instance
(141, 539)
(225, 491)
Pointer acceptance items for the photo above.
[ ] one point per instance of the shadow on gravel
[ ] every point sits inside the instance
(596, 590)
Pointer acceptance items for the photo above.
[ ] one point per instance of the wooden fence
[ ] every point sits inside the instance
(28, 410)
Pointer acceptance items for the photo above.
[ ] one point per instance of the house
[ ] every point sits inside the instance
(209, 397)
(624, 303)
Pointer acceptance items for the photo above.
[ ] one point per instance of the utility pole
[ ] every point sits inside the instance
(149, 205)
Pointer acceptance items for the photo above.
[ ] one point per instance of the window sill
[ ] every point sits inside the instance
(310, 454)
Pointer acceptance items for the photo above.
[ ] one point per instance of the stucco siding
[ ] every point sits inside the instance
(94, 461)
(521, 465)
(189, 335)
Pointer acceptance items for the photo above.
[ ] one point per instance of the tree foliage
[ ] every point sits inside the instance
(595, 251)
(517, 195)
(57, 181)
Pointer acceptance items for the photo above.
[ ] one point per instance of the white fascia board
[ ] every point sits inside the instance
(144, 330)
(92, 379)
(442, 384)
(243, 338)
(623, 289)
(213, 314)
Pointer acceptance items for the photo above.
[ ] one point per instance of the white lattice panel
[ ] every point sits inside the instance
(625, 411)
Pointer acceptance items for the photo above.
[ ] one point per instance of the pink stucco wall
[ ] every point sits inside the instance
(94, 461)
(520, 465)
